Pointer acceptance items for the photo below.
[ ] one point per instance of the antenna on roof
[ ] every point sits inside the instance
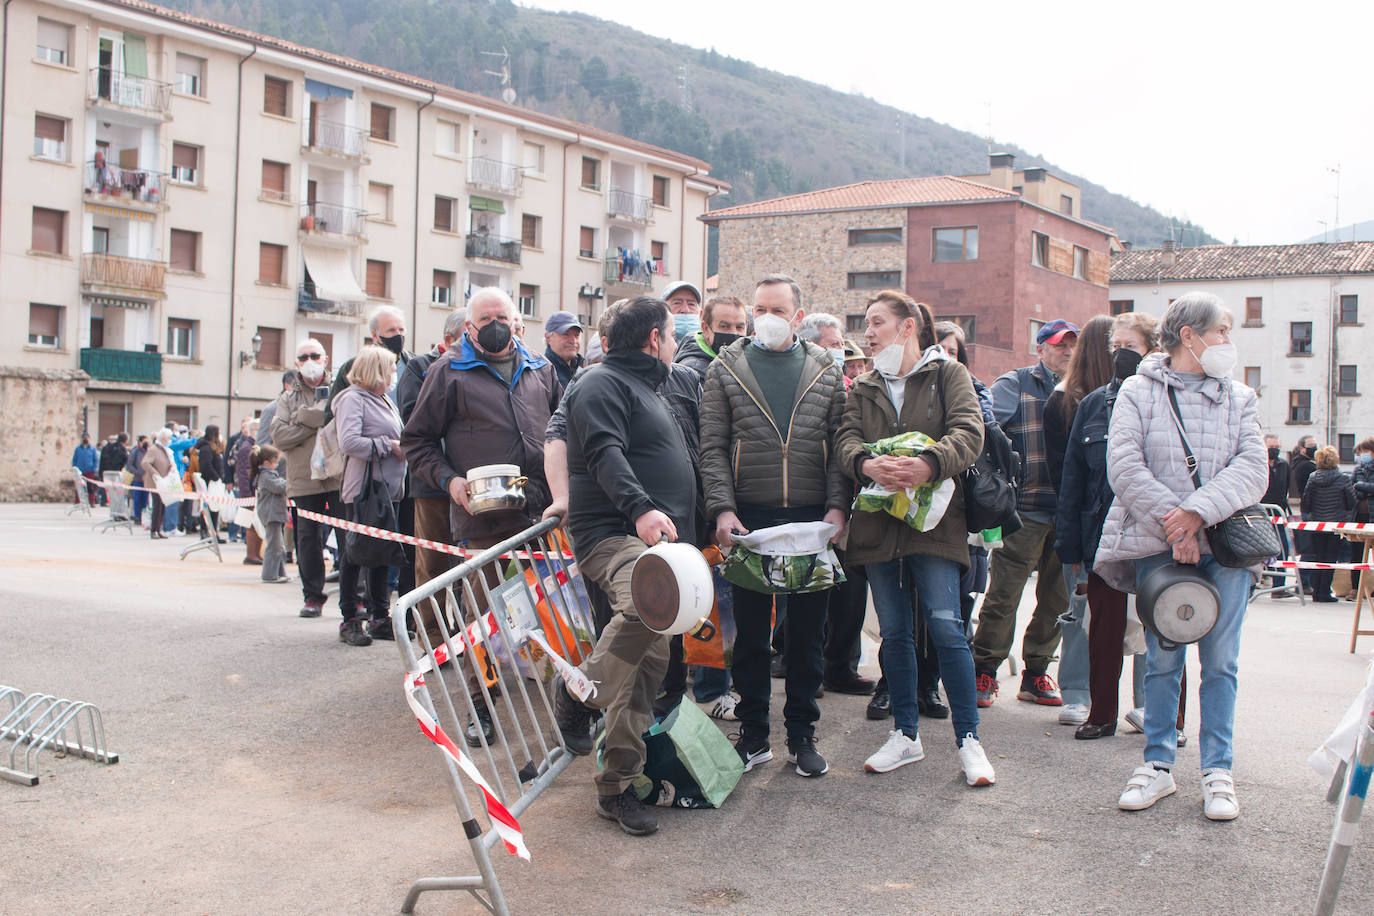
(507, 90)
(1337, 225)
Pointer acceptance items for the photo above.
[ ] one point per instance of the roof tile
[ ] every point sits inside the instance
(1234, 262)
(896, 192)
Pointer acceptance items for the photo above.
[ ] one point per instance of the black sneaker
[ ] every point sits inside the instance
(880, 707)
(1039, 687)
(852, 684)
(472, 735)
(633, 816)
(753, 751)
(312, 609)
(574, 721)
(351, 632)
(928, 704)
(802, 752)
(380, 628)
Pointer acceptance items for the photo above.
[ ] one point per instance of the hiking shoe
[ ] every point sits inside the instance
(574, 721)
(1073, 714)
(724, 708)
(1039, 688)
(633, 816)
(1136, 719)
(753, 751)
(802, 752)
(380, 628)
(1219, 795)
(1146, 786)
(898, 750)
(351, 632)
(853, 684)
(312, 609)
(880, 707)
(987, 689)
(928, 704)
(480, 728)
(973, 760)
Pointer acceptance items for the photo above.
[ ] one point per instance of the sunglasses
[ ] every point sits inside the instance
(310, 356)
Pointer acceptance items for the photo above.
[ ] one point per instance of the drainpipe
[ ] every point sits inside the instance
(1332, 364)
(563, 247)
(234, 249)
(4, 83)
(415, 240)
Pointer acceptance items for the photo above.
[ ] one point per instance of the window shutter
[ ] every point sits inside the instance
(271, 353)
(52, 34)
(588, 172)
(274, 96)
(274, 176)
(443, 213)
(587, 239)
(45, 320)
(183, 250)
(46, 128)
(376, 278)
(185, 157)
(381, 122)
(270, 262)
(47, 230)
(529, 231)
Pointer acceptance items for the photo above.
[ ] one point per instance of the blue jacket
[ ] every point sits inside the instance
(180, 446)
(1084, 494)
(86, 459)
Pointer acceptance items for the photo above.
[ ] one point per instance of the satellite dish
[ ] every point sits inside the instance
(508, 95)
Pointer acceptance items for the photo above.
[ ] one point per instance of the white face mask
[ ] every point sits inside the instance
(889, 359)
(1218, 360)
(773, 332)
(838, 356)
(313, 370)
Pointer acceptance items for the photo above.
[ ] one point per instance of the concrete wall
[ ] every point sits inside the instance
(42, 410)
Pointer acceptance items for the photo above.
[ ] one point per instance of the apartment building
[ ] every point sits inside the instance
(182, 202)
(1299, 328)
(988, 257)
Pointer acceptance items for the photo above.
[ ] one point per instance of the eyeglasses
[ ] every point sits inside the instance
(309, 356)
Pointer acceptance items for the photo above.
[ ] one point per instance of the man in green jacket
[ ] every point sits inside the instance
(770, 409)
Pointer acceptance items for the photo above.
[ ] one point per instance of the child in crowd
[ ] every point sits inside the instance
(271, 490)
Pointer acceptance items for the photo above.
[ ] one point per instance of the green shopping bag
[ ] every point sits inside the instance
(688, 762)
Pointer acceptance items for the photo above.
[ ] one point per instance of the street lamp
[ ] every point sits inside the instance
(246, 358)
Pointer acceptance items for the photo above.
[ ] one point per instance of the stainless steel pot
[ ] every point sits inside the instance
(1179, 604)
(495, 488)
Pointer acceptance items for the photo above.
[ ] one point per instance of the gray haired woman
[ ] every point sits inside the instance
(1158, 517)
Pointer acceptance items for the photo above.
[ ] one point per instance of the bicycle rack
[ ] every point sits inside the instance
(40, 720)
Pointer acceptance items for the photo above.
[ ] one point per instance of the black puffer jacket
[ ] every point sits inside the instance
(1328, 497)
(1085, 496)
(692, 354)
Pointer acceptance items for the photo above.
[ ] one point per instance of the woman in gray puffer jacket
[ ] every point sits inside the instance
(1158, 517)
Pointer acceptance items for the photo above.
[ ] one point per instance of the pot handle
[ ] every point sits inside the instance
(705, 630)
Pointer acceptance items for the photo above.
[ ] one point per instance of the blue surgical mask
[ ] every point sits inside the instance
(1365, 458)
(838, 356)
(684, 325)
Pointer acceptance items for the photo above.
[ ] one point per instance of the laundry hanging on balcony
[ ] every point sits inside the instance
(332, 274)
(318, 90)
(487, 204)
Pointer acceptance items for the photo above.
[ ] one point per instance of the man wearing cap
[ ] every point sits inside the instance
(684, 301)
(563, 335)
(1019, 404)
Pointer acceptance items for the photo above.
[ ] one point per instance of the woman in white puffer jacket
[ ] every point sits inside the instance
(1158, 517)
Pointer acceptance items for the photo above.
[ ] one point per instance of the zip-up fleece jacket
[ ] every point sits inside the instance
(750, 458)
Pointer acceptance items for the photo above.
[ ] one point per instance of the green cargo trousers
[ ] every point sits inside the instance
(1031, 548)
(627, 665)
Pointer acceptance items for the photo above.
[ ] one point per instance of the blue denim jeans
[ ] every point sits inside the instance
(933, 583)
(1073, 647)
(1217, 656)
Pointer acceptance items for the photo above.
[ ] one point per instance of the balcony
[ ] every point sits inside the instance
(146, 278)
(493, 248)
(332, 138)
(307, 302)
(623, 204)
(135, 93)
(494, 175)
(122, 366)
(324, 220)
(110, 183)
(630, 268)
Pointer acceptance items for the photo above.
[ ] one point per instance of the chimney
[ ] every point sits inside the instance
(1001, 167)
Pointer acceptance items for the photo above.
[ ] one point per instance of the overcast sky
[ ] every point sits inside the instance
(1228, 114)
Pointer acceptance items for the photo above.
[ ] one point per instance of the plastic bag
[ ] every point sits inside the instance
(795, 557)
(920, 507)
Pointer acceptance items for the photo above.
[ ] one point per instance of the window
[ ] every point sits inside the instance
(1300, 338)
(969, 324)
(1080, 263)
(113, 418)
(45, 325)
(586, 242)
(874, 279)
(378, 279)
(1252, 377)
(658, 251)
(1035, 326)
(271, 263)
(529, 299)
(379, 201)
(185, 250)
(1122, 306)
(1346, 376)
(1345, 445)
(1066, 205)
(100, 240)
(271, 354)
(182, 416)
(443, 288)
(54, 38)
(1040, 249)
(854, 324)
(1350, 310)
(444, 208)
(275, 180)
(446, 138)
(531, 230)
(190, 75)
(383, 122)
(50, 139)
(1300, 406)
(591, 173)
(661, 188)
(875, 236)
(49, 230)
(185, 163)
(959, 244)
(276, 96)
(532, 158)
(1254, 310)
(181, 338)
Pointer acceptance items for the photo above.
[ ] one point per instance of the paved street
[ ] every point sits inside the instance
(267, 768)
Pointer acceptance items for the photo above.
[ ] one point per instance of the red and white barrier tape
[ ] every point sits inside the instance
(1332, 526)
(387, 535)
(1307, 564)
(173, 494)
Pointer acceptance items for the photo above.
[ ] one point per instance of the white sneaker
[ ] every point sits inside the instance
(1219, 795)
(898, 750)
(1145, 787)
(1136, 719)
(724, 708)
(1073, 714)
(977, 770)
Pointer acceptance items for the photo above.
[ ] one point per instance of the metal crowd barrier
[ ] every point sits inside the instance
(1277, 574)
(209, 540)
(83, 494)
(537, 589)
(38, 720)
(117, 499)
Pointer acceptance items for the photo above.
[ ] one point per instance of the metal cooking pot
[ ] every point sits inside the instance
(1179, 604)
(495, 488)
(672, 590)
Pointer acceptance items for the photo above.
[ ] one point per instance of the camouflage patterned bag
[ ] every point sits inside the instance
(784, 559)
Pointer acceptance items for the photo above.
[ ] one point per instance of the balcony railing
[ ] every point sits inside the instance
(335, 138)
(333, 219)
(308, 302)
(112, 182)
(123, 273)
(122, 365)
(503, 177)
(630, 268)
(493, 247)
(627, 204)
(126, 91)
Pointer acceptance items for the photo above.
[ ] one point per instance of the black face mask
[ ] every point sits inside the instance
(1273, 454)
(1125, 362)
(494, 337)
(720, 340)
(395, 343)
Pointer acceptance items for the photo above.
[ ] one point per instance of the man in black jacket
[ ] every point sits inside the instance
(632, 485)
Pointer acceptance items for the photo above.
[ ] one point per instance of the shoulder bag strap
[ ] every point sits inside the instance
(1178, 422)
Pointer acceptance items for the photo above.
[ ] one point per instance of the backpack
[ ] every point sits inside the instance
(991, 482)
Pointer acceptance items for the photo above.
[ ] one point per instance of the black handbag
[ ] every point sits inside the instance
(990, 484)
(1247, 538)
(373, 507)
